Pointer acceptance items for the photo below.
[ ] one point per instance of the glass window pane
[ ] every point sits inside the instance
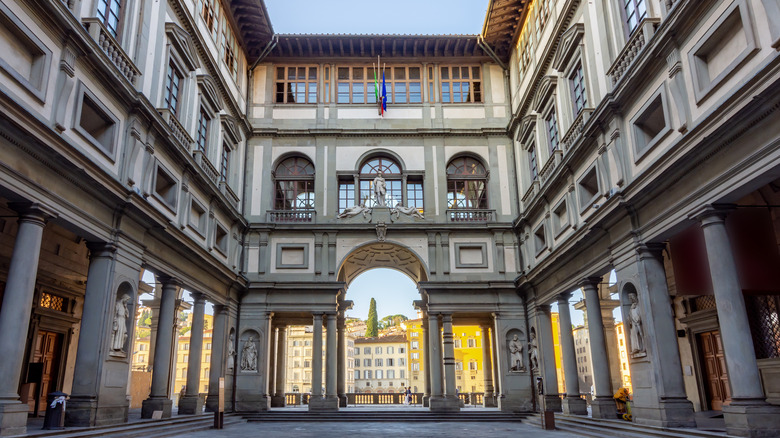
(475, 72)
(464, 73)
(343, 73)
(415, 92)
(280, 73)
(312, 73)
(414, 72)
(400, 93)
(301, 72)
(399, 73)
(357, 93)
(343, 92)
(357, 73)
(455, 73)
(445, 73)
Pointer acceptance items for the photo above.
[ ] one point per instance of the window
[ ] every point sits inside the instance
(296, 84)
(414, 334)
(367, 350)
(229, 47)
(402, 375)
(203, 131)
(141, 358)
(458, 366)
(357, 351)
(461, 84)
(346, 195)
(307, 364)
(391, 374)
(415, 355)
(401, 362)
(379, 374)
(366, 362)
(532, 163)
(391, 172)
(415, 367)
(472, 343)
(403, 85)
(357, 363)
(209, 12)
(552, 130)
(578, 91)
(415, 345)
(401, 349)
(378, 350)
(390, 362)
(356, 84)
(367, 374)
(108, 11)
(456, 343)
(473, 365)
(185, 347)
(357, 374)
(224, 163)
(208, 345)
(172, 87)
(634, 11)
(378, 362)
(466, 184)
(294, 182)
(389, 350)
(208, 358)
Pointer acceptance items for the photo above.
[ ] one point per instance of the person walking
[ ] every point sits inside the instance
(408, 395)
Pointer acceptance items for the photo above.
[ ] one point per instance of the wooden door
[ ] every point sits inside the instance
(716, 376)
(47, 354)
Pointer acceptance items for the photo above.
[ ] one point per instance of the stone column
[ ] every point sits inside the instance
(664, 403)
(426, 363)
(450, 401)
(748, 414)
(158, 398)
(434, 350)
(318, 403)
(278, 399)
(341, 324)
(316, 358)
(552, 401)
(603, 406)
(488, 400)
(218, 348)
(497, 391)
(572, 404)
(272, 358)
(191, 403)
(83, 403)
(331, 359)
(15, 316)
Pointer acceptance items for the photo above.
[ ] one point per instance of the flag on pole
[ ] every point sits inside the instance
(384, 93)
(377, 97)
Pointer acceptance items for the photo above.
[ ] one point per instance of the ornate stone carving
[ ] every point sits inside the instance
(119, 327)
(381, 231)
(249, 355)
(399, 209)
(231, 350)
(354, 211)
(533, 351)
(516, 354)
(380, 190)
(635, 325)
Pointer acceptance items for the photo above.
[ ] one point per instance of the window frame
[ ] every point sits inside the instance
(308, 179)
(470, 80)
(483, 201)
(629, 31)
(286, 82)
(115, 32)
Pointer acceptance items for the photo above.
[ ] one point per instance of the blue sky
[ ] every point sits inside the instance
(431, 17)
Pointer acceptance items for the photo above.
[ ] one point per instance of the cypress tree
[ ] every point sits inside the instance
(372, 325)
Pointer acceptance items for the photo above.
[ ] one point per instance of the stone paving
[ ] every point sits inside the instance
(378, 430)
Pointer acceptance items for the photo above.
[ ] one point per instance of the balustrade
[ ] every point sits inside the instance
(109, 45)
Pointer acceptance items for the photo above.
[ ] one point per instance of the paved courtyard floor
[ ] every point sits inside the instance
(383, 429)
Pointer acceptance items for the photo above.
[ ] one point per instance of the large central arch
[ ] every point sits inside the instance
(382, 255)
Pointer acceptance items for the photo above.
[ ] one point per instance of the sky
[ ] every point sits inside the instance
(432, 17)
(392, 290)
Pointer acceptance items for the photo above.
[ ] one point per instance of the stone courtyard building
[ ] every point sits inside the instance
(568, 140)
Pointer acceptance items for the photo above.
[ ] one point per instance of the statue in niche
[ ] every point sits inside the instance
(380, 190)
(635, 321)
(354, 211)
(231, 351)
(399, 209)
(533, 352)
(249, 355)
(515, 354)
(119, 327)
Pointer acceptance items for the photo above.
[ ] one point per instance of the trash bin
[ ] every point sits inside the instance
(55, 411)
(548, 420)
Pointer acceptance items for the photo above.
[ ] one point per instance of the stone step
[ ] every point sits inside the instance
(143, 428)
(382, 416)
(600, 428)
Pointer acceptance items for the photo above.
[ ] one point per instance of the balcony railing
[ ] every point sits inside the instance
(291, 216)
(550, 165)
(226, 190)
(635, 44)
(111, 47)
(206, 165)
(575, 130)
(531, 191)
(178, 132)
(470, 215)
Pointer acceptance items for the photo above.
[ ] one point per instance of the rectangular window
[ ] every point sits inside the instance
(431, 92)
(415, 366)
(415, 345)
(579, 94)
(532, 163)
(367, 350)
(407, 84)
(461, 85)
(415, 356)
(356, 84)
(346, 196)
(209, 13)
(228, 47)
(357, 350)
(378, 362)
(367, 374)
(378, 350)
(224, 163)
(401, 362)
(391, 374)
(401, 374)
(172, 84)
(379, 374)
(366, 362)
(635, 11)
(296, 84)
(390, 350)
(472, 343)
(552, 130)
(203, 131)
(414, 198)
(108, 11)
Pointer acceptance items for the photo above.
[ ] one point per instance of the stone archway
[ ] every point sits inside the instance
(382, 255)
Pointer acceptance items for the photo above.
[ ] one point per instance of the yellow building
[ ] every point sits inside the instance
(558, 355)
(469, 370)
(625, 370)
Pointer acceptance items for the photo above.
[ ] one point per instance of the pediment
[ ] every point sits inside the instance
(208, 88)
(230, 128)
(182, 43)
(527, 127)
(546, 88)
(570, 41)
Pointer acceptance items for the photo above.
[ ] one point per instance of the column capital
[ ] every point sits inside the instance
(33, 212)
(589, 282)
(650, 250)
(563, 298)
(709, 214)
(168, 281)
(543, 307)
(101, 249)
(219, 308)
(198, 297)
(446, 317)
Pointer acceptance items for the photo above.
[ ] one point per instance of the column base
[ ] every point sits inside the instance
(489, 401)
(445, 404)
(324, 404)
(754, 419)
(190, 405)
(574, 406)
(342, 400)
(212, 403)
(426, 401)
(253, 403)
(13, 418)
(603, 407)
(278, 401)
(669, 413)
(152, 404)
(81, 412)
(551, 402)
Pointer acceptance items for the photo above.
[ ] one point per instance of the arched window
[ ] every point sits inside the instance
(401, 187)
(294, 185)
(466, 184)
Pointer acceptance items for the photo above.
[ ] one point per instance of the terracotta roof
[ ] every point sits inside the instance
(254, 25)
(382, 340)
(503, 21)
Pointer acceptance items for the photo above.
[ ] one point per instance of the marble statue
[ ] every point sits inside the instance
(354, 211)
(533, 351)
(515, 354)
(119, 327)
(635, 325)
(231, 351)
(409, 211)
(380, 189)
(249, 356)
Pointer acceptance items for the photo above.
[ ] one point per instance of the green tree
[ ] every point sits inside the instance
(372, 325)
